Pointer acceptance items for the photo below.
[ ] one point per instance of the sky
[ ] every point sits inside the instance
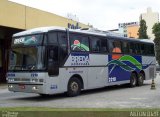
(102, 14)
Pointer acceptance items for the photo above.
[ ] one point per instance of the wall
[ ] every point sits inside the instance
(22, 17)
(132, 31)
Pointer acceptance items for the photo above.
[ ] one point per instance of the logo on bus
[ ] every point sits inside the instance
(80, 59)
(112, 79)
(19, 40)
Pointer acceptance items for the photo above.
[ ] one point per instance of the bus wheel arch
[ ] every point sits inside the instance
(133, 79)
(75, 84)
(141, 78)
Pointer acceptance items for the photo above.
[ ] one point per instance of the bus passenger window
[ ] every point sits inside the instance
(62, 38)
(132, 49)
(79, 43)
(52, 38)
(53, 54)
(117, 47)
(95, 44)
(125, 47)
(104, 47)
(137, 47)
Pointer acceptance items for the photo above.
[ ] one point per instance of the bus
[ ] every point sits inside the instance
(51, 60)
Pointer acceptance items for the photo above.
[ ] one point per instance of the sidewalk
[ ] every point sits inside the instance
(3, 86)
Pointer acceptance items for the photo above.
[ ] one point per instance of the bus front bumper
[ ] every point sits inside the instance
(27, 88)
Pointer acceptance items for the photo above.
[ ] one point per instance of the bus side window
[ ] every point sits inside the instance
(142, 49)
(79, 43)
(52, 38)
(125, 47)
(95, 44)
(150, 50)
(137, 47)
(53, 54)
(62, 39)
(104, 47)
(116, 47)
(132, 49)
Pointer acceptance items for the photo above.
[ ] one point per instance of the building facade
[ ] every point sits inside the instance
(129, 29)
(151, 18)
(15, 18)
(132, 31)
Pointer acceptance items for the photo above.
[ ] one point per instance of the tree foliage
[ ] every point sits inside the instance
(143, 30)
(156, 32)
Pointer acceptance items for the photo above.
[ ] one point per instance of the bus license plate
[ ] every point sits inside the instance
(21, 86)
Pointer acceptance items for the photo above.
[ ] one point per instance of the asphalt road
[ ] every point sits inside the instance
(109, 97)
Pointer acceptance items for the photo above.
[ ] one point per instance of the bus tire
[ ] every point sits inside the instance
(133, 80)
(140, 79)
(74, 87)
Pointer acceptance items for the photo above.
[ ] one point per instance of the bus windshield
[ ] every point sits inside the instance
(27, 58)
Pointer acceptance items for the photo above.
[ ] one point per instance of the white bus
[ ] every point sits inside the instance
(53, 60)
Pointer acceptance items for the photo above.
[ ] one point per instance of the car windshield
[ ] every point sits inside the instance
(27, 58)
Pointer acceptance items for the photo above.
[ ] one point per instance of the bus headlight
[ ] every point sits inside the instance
(10, 86)
(35, 88)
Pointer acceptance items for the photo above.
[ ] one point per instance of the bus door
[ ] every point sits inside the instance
(97, 73)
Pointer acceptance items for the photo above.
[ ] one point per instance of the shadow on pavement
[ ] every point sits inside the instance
(64, 96)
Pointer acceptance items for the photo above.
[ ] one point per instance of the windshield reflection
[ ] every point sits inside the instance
(28, 58)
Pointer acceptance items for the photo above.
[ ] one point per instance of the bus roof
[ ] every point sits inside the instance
(90, 31)
(38, 30)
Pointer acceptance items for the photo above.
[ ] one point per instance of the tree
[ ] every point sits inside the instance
(156, 32)
(143, 30)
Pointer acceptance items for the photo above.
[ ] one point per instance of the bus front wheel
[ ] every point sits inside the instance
(74, 87)
(133, 80)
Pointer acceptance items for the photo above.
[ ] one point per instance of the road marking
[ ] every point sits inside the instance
(138, 98)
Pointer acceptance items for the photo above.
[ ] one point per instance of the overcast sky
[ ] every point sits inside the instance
(102, 14)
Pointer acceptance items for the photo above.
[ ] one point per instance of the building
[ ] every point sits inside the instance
(132, 31)
(15, 18)
(151, 18)
(129, 29)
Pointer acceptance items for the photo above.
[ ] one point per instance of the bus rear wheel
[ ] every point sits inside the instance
(133, 80)
(140, 79)
(74, 87)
